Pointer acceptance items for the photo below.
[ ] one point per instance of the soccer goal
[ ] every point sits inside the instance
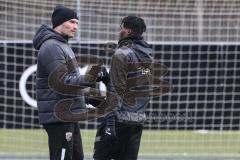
(198, 40)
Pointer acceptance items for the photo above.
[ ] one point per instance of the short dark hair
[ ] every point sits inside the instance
(136, 24)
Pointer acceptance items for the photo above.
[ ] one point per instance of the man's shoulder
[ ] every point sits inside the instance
(123, 52)
(50, 47)
(51, 43)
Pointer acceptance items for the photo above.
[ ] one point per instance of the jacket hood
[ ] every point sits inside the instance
(142, 49)
(44, 33)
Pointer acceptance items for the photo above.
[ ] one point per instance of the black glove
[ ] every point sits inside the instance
(103, 76)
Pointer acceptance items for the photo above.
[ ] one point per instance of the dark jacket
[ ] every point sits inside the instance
(54, 51)
(130, 108)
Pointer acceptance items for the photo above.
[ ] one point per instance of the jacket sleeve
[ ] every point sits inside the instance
(54, 60)
(118, 81)
(118, 73)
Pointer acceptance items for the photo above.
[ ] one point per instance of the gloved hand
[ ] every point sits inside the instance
(103, 76)
(93, 73)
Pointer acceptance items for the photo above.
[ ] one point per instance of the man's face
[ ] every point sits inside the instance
(69, 28)
(124, 32)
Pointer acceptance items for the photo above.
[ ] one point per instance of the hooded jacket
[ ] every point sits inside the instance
(130, 108)
(54, 52)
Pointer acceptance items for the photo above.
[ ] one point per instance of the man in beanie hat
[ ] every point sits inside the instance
(54, 52)
(62, 14)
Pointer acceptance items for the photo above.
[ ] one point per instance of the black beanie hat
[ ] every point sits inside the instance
(62, 14)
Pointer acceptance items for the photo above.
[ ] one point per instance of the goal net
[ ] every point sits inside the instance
(198, 40)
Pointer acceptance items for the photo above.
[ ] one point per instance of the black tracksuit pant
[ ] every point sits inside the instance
(124, 148)
(64, 138)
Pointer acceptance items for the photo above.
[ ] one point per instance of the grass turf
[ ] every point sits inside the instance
(24, 142)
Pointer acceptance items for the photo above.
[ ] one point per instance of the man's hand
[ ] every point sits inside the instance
(93, 73)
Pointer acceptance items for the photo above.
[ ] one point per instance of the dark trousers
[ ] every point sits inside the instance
(64, 137)
(126, 146)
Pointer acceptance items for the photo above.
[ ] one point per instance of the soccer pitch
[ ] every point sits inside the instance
(24, 143)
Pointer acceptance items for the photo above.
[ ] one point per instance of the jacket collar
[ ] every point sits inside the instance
(128, 40)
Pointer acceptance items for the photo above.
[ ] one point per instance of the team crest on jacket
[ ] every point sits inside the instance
(68, 136)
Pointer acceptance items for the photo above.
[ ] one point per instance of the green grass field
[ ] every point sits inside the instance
(225, 143)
